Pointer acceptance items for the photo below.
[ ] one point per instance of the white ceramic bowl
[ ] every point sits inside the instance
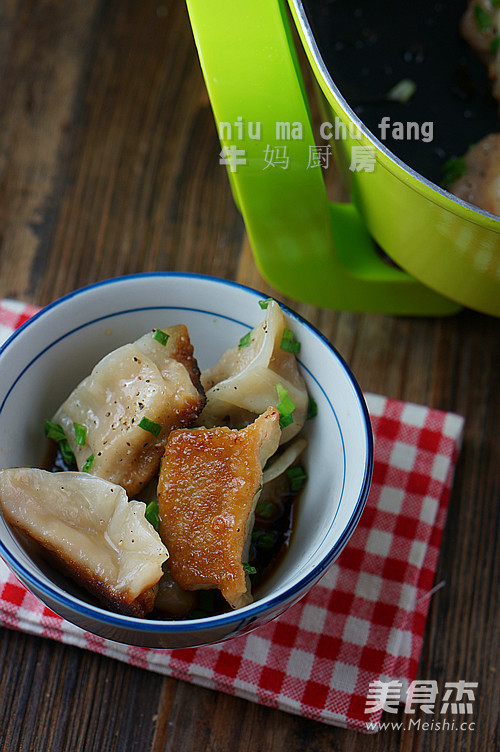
(53, 351)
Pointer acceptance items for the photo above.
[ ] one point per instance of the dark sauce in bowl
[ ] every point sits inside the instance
(370, 46)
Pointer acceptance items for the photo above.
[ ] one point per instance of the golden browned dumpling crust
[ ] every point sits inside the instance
(209, 485)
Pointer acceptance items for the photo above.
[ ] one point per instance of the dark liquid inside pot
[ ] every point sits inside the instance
(371, 46)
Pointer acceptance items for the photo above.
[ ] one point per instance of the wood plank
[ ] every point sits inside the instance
(145, 164)
(44, 50)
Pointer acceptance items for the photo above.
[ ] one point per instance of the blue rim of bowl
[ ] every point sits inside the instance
(268, 603)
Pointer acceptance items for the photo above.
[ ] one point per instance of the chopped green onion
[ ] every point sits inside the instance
(290, 345)
(402, 91)
(312, 409)
(288, 342)
(482, 18)
(453, 169)
(55, 432)
(152, 514)
(80, 433)
(296, 476)
(264, 303)
(67, 453)
(286, 420)
(160, 336)
(266, 509)
(150, 425)
(248, 569)
(286, 406)
(245, 340)
(264, 538)
(494, 45)
(88, 464)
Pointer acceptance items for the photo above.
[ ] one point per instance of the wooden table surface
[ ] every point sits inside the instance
(109, 165)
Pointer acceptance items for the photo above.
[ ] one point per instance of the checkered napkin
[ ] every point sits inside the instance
(364, 621)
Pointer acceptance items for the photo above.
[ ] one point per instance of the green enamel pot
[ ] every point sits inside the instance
(446, 252)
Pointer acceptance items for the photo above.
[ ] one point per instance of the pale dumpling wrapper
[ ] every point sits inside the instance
(92, 532)
(210, 482)
(144, 379)
(245, 380)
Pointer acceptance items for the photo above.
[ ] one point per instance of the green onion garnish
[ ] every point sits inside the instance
(160, 336)
(286, 406)
(67, 453)
(88, 464)
(264, 303)
(296, 477)
(286, 420)
(150, 425)
(402, 91)
(80, 433)
(288, 342)
(312, 409)
(482, 18)
(248, 569)
(245, 340)
(453, 169)
(152, 514)
(264, 538)
(266, 509)
(55, 432)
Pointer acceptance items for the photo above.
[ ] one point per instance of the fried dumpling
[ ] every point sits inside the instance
(480, 182)
(209, 484)
(262, 370)
(90, 531)
(480, 27)
(128, 405)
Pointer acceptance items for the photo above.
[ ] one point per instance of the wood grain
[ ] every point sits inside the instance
(109, 165)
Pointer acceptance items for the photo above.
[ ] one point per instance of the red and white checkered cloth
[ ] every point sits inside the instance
(363, 621)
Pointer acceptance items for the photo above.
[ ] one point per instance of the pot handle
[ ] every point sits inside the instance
(305, 246)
